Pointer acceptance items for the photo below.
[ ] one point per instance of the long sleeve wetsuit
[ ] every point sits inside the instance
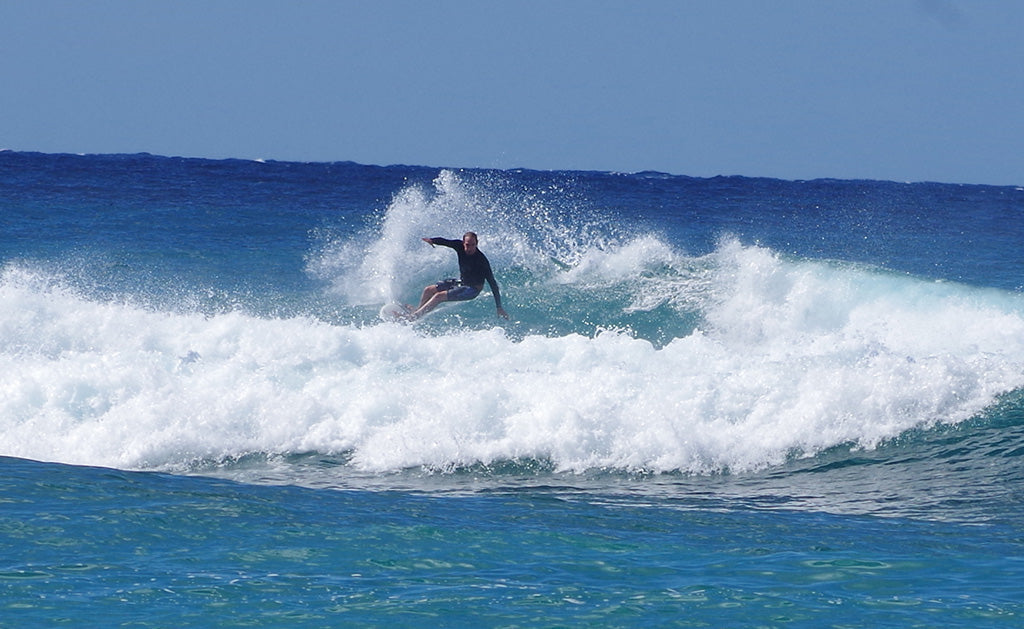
(474, 269)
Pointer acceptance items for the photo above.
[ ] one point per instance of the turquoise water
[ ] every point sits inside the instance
(97, 545)
(718, 402)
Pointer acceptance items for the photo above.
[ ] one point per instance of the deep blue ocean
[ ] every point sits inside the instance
(718, 402)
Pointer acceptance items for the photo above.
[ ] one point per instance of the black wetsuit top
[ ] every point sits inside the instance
(473, 269)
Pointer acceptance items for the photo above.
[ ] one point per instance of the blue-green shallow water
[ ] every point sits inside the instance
(98, 547)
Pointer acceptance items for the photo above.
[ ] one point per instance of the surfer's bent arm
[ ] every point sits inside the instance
(494, 290)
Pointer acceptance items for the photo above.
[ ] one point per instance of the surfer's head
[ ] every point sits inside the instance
(469, 242)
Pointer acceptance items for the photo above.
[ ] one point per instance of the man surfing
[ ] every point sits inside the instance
(474, 270)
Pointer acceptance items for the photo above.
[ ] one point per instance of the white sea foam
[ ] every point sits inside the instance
(790, 357)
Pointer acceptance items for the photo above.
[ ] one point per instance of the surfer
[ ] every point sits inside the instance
(474, 269)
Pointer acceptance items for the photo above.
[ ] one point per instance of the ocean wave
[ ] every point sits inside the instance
(758, 359)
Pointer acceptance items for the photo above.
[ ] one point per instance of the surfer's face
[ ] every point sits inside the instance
(469, 244)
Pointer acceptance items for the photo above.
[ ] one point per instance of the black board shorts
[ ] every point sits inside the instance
(456, 290)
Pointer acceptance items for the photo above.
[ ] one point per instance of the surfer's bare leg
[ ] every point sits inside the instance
(431, 301)
(428, 292)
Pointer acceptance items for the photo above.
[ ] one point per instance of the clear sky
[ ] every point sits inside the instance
(904, 90)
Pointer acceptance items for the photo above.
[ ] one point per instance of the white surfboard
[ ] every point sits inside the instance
(394, 312)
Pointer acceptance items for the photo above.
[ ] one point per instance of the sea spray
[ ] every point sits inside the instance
(522, 232)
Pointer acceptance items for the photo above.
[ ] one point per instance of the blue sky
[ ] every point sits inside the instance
(905, 90)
